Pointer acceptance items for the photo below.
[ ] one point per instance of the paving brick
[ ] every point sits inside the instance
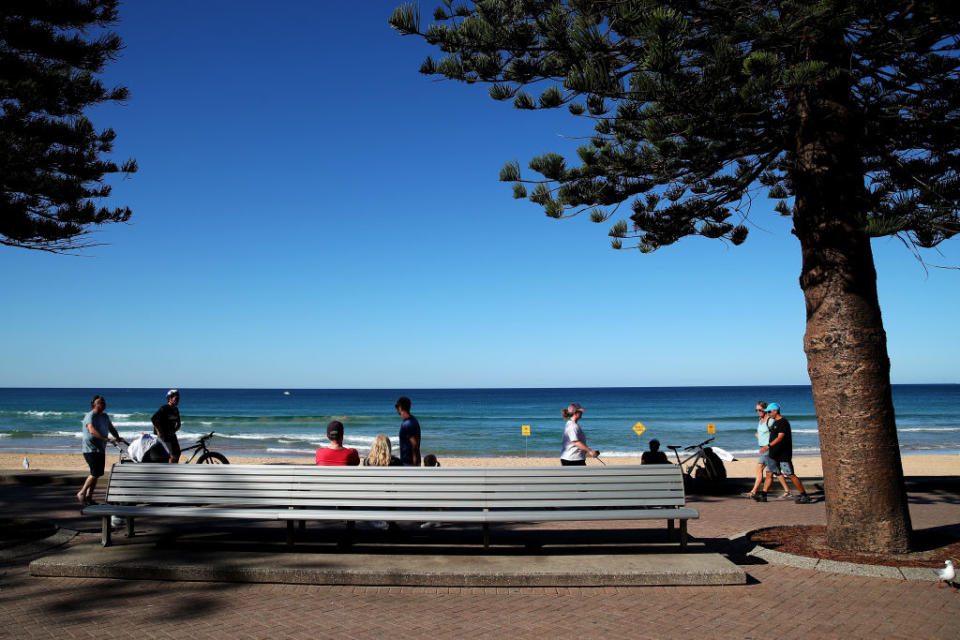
(816, 604)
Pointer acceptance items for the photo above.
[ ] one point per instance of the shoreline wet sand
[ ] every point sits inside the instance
(806, 466)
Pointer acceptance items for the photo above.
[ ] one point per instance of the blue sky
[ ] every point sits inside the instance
(310, 211)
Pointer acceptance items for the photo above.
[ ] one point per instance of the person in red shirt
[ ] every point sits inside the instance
(336, 455)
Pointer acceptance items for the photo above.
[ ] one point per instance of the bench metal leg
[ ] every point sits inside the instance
(105, 531)
(303, 525)
(683, 535)
(290, 532)
(670, 529)
(486, 535)
(129, 532)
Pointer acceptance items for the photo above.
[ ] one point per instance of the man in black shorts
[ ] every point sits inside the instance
(166, 423)
(781, 455)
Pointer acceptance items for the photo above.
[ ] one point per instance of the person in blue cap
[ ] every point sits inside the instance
(780, 452)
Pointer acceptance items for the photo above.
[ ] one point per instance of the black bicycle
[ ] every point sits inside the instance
(207, 457)
(704, 467)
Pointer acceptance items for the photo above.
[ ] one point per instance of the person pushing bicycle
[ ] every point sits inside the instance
(166, 424)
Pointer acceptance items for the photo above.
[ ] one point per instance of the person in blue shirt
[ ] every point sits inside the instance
(409, 434)
(98, 430)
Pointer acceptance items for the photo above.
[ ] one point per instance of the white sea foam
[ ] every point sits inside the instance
(133, 423)
(298, 451)
(293, 438)
(45, 414)
(933, 429)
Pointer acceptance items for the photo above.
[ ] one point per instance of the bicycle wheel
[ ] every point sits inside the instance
(212, 457)
(713, 473)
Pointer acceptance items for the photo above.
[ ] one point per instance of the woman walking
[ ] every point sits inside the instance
(574, 449)
(763, 439)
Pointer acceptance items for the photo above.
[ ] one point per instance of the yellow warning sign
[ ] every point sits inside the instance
(711, 428)
(524, 429)
(639, 428)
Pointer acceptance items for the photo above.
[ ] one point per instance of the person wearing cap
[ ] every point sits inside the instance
(409, 438)
(780, 451)
(574, 449)
(763, 438)
(654, 455)
(336, 455)
(166, 424)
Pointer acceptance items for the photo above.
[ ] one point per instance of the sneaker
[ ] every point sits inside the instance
(748, 494)
(785, 496)
(760, 497)
(803, 498)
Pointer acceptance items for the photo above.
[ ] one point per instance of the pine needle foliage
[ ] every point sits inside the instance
(51, 157)
(703, 103)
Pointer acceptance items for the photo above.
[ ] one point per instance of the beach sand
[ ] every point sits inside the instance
(805, 466)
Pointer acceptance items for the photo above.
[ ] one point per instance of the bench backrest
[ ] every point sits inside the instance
(398, 487)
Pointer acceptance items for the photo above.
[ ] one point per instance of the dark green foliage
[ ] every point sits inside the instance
(703, 103)
(51, 166)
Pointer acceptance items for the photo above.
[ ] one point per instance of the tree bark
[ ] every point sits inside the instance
(845, 343)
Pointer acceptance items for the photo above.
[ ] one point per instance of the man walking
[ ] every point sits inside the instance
(409, 434)
(166, 423)
(780, 452)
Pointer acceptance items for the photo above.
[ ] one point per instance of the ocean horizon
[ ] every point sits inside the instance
(477, 422)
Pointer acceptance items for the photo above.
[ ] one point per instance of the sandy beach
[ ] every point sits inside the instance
(806, 466)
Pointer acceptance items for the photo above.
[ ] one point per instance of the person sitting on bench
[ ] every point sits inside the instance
(654, 455)
(336, 455)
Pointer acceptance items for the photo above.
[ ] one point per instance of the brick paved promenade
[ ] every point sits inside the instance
(780, 602)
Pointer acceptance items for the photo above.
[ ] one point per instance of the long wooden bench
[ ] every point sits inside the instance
(398, 494)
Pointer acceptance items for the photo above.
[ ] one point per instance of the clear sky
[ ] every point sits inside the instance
(310, 211)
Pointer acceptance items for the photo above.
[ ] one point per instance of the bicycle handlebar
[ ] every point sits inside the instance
(693, 446)
(698, 446)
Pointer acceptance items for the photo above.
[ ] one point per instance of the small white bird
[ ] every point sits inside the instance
(947, 575)
(26, 463)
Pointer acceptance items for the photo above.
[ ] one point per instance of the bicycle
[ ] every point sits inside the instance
(208, 456)
(704, 467)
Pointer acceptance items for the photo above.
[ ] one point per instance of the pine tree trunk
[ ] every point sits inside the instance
(849, 370)
(845, 343)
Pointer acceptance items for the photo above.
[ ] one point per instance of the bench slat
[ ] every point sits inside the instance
(407, 494)
(401, 516)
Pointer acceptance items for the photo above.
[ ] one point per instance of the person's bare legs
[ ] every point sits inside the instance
(767, 482)
(85, 494)
(783, 483)
(796, 482)
(756, 484)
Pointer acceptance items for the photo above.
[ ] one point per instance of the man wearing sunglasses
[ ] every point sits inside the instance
(780, 452)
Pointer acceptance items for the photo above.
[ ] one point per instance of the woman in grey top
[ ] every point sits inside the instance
(97, 432)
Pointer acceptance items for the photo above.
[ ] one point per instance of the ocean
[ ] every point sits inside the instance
(462, 422)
